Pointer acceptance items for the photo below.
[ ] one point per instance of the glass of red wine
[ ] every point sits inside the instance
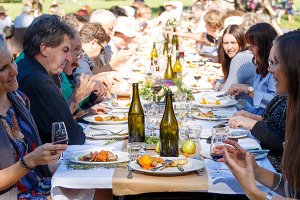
(156, 88)
(59, 133)
(197, 75)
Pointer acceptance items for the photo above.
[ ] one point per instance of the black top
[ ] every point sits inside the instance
(47, 103)
(271, 130)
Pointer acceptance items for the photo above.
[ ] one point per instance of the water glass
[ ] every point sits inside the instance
(194, 132)
(135, 150)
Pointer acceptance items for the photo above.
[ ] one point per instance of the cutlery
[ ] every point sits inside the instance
(105, 130)
(222, 95)
(180, 168)
(130, 170)
(199, 172)
(163, 166)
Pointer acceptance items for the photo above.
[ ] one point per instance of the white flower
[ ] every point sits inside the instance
(184, 87)
(173, 88)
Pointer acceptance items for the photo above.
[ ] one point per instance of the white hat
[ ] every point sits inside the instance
(233, 20)
(126, 26)
(129, 10)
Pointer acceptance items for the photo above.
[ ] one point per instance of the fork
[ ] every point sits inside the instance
(105, 130)
(130, 170)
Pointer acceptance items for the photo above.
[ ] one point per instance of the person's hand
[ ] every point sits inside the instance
(242, 164)
(100, 89)
(236, 89)
(242, 113)
(241, 122)
(97, 109)
(44, 154)
(83, 88)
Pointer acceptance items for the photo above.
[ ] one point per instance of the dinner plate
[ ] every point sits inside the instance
(192, 165)
(211, 98)
(238, 133)
(206, 154)
(218, 115)
(91, 118)
(119, 104)
(94, 134)
(74, 157)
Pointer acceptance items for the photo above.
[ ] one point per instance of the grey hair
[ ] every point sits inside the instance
(102, 16)
(47, 29)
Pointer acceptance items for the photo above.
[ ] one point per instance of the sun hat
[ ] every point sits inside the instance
(126, 26)
(233, 20)
(2, 10)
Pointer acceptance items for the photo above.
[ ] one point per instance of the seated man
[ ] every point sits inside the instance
(47, 49)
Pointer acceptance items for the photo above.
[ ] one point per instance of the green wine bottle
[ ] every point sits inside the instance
(175, 41)
(177, 68)
(169, 70)
(154, 54)
(169, 133)
(136, 118)
(166, 45)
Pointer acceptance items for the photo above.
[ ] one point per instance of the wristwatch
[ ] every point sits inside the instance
(269, 196)
(250, 89)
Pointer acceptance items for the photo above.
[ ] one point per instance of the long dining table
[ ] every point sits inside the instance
(81, 183)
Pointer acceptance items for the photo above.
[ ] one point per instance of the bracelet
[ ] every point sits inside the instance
(269, 195)
(280, 179)
(24, 165)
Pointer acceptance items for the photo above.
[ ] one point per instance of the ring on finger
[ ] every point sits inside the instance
(53, 152)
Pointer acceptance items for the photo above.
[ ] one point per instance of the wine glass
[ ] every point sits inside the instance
(197, 75)
(156, 88)
(217, 139)
(194, 132)
(59, 133)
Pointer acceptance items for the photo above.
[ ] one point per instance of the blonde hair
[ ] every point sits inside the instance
(213, 18)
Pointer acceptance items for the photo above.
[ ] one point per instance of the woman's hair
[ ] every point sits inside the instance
(141, 9)
(90, 31)
(47, 29)
(262, 36)
(287, 47)
(214, 19)
(3, 47)
(224, 59)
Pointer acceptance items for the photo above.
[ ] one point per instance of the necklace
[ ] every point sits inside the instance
(12, 128)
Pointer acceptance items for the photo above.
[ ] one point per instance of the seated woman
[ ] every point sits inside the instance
(255, 99)
(235, 59)
(286, 71)
(24, 173)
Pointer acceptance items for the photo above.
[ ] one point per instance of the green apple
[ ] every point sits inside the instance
(189, 147)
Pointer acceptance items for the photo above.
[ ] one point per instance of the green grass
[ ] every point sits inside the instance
(14, 9)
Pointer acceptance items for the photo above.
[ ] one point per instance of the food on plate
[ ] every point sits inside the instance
(110, 118)
(209, 114)
(216, 102)
(148, 162)
(102, 156)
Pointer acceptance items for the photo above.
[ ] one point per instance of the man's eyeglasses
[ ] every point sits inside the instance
(79, 55)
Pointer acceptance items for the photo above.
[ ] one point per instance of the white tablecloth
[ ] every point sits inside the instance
(85, 181)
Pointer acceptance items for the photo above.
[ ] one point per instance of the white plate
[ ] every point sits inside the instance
(223, 115)
(120, 104)
(192, 165)
(257, 156)
(91, 118)
(92, 134)
(211, 98)
(73, 157)
(238, 133)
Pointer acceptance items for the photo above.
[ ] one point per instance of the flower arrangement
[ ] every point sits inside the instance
(176, 87)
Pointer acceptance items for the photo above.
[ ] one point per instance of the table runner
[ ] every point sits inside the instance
(143, 183)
